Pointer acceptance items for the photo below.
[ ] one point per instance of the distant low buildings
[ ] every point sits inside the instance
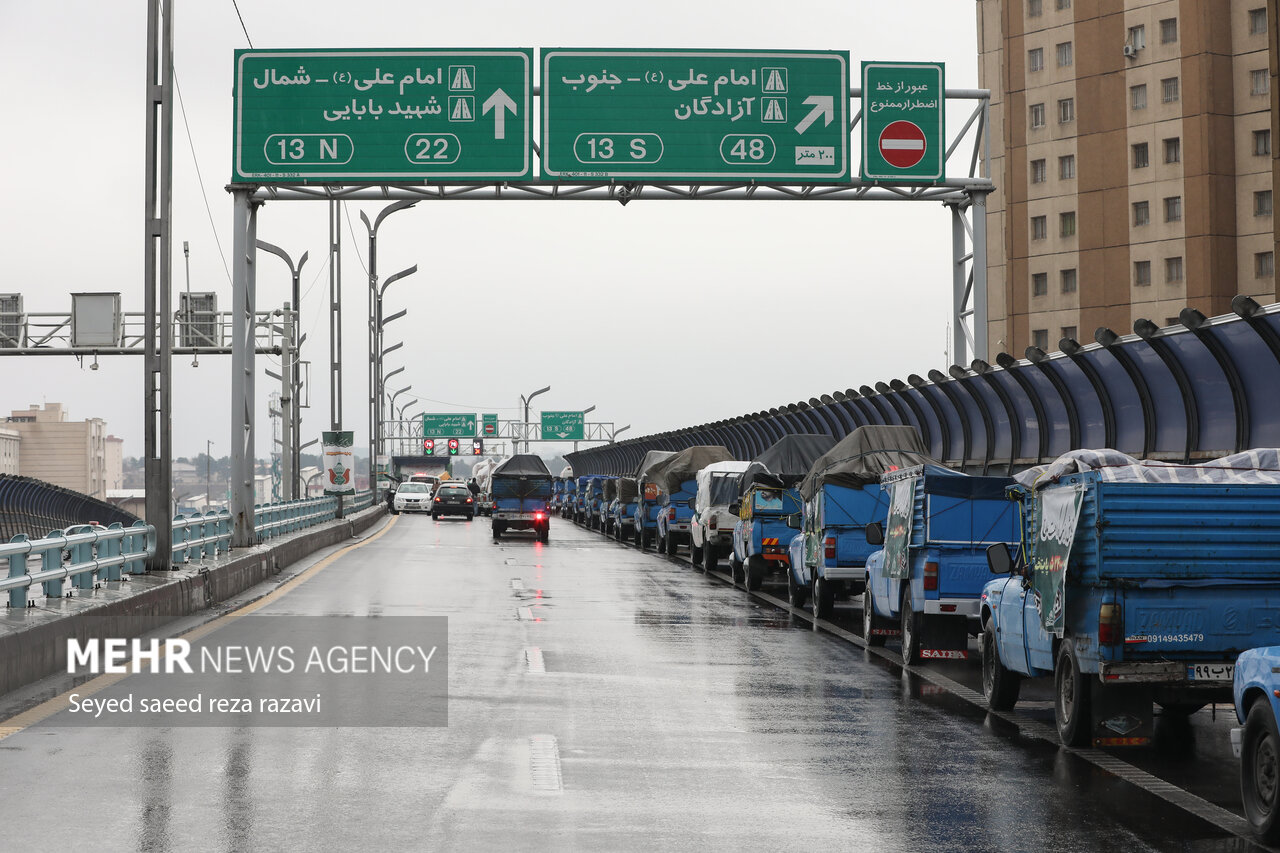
(71, 454)
(10, 445)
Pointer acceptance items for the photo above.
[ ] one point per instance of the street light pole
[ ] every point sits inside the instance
(374, 344)
(588, 410)
(613, 438)
(391, 398)
(525, 402)
(376, 389)
(208, 480)
(293, 377)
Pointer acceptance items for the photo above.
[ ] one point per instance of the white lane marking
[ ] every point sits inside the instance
(517, 583)
(534, 662)
(526, 614)
(544, 763)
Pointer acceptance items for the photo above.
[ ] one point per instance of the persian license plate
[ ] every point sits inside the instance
(1211, 671)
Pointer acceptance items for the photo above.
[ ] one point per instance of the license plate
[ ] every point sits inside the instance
(1211, 671)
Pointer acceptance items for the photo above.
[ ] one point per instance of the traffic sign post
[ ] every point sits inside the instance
(563, 426)
(695, 114)
(903, 121)
(382, 115)
(448, 426)
(489, 424)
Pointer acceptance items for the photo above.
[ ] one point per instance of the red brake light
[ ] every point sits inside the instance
(712, 523)
(1110, 624)
(468, 500)
(671, 514)
(931, 577)
(829, 548)
(437, 500)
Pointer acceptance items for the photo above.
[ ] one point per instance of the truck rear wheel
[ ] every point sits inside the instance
(642, 539)
(710, 557)
(1000, 685)
(869, 621)
(497, 531)
(824, 597)
(1260, 771)
(754, 572)
(1071, 709)
(735, 569)
(910, 630)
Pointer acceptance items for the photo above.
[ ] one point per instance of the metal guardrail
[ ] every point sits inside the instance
(92, 549)
(106, 552)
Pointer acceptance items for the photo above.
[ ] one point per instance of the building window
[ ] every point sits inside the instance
(1039, 284)
(1173, 208)
(1138, 96)
(1067, 167)
(1169, 90)
(1141, 213)
(1037, 116)
(1037, 172)
(1142, 273)
(1040, 338)
(1264, 264)
(1039, 228)
(1069, 281)
(1257, 22)
(1140, 155)
(1259, 81)
(1069, 332)
(1060, 5)
(1066, 110)
(1168, 30)
(1173, 269)
(1067, 224)
(1035, 8)
(1065, 55)
(1262, 203)
(1262, 143)
(1138, 37)
(1173, 150)
(1035, 59)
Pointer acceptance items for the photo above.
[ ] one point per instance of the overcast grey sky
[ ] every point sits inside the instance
(661, 314)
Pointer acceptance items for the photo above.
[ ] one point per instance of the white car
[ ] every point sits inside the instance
(711, 528)
(412, 497)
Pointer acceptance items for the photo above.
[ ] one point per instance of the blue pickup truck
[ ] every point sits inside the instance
(1139, 583)
(677, 483)
(521, 488)
(644, 519)
(842, 495)
(623, 509)
(762, 535)
(592, 500)
(1257, 742)
(928, 579)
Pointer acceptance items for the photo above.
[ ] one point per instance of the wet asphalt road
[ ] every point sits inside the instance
(600, 699)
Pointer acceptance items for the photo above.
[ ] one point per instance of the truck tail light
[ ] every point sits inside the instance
(1110, 624)
(468, 500)
(931, 577)
(829, 548)
(671, 514)
(495, 505)
(537, 516)
(712, 523)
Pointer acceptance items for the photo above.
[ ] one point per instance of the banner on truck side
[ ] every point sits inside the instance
(1057, 511)
(339, 462)
(901, 507)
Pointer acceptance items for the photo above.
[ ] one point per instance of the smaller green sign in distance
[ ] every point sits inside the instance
(778, 116)
(490, 424)
(382, 115)
(448, 426)
(563, 426)
(903, 121)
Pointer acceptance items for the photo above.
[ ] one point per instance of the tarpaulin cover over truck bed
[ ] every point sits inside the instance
(653, 457)
(627, 490)
(863, 455)
(786, 461)
(683, 466)
(522, 476)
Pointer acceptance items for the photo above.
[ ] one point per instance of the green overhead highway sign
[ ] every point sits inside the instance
(563, 426)
(903, 121)
(382, 115)
(719, 115)
(448, 426)
(490, 424)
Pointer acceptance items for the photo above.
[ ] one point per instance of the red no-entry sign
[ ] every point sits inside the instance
(902, 144)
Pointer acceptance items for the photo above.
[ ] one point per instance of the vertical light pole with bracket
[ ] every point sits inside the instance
(292, 373)
(377, 389)
(374, 328)
(524, 401)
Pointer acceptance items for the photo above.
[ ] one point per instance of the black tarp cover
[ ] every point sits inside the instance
(786, 461)
(682, 466)
(863, 455)
(653, 457)
(627, 490)
(521, 476)
(523, 465)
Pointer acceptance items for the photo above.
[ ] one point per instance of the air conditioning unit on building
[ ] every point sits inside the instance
(1130, 51)
(10, 320)
(198, 319)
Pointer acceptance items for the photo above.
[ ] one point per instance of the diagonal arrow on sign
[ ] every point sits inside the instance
(500, 102)
(823, 105)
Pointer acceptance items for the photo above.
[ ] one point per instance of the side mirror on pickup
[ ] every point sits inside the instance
(793, 521)
(735, 507)
(875, 533)
(693, 503)
(998, 559)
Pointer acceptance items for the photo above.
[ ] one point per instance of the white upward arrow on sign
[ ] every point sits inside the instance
(823, 105)
(500, 102)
